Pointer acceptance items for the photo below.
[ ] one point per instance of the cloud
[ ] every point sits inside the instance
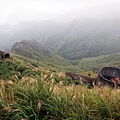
(97, 7)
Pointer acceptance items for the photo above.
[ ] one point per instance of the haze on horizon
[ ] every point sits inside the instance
(15, 11)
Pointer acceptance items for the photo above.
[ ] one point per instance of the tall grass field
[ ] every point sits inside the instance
(45, 99)
(29, 92)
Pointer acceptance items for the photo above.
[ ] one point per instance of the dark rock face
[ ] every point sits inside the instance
(85, 79)
(4, 55)
(109, 76)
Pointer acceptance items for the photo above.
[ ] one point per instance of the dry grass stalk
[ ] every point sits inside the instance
(9, 82)
(29, 80)
(23, 119)
(61, 83)
(61, 75)
(7, 109)
(39, 105)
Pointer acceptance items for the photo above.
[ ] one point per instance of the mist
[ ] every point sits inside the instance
(15, 11)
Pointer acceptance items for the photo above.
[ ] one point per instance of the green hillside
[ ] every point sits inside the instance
(41, 56)
(32, 90)
(34, 50)
(98, 62)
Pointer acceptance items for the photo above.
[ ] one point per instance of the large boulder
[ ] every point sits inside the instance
(108, 76)
(4, 55)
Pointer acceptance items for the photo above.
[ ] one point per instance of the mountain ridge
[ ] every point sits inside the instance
(34, 50)
(75, 40)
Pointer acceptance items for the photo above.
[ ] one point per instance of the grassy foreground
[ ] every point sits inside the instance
(44, 99)
(28, 91)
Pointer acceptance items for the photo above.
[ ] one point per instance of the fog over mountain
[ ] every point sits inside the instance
(15, 11)
(73, 29)
(73, 40)
(23, 14)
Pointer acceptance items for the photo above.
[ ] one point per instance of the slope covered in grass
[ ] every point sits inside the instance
(34, 50)
(95, 63)
(36, 90)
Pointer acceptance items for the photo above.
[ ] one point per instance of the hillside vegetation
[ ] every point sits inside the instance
(38, 89)
(95, 63)
(86, 38)
(34, 50)
(30, 92)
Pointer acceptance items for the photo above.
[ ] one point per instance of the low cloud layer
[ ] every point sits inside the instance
(85, 8)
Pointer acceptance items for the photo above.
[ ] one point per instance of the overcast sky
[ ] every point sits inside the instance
(8, 7)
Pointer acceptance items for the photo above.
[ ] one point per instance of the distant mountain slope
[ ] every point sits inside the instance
(95, 63)
(31, 49)
(36, 55)
(39, 31)
(86, 38)
(34, 50)
(75, 40)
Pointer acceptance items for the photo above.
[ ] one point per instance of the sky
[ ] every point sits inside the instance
(8, 7)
